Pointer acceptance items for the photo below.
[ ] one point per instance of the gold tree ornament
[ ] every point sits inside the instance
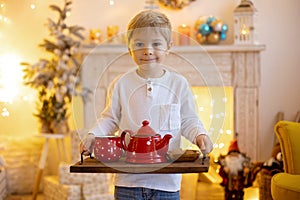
(175, 4)
(55, 79)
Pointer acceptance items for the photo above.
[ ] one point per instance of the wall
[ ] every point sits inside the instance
(281, 65)
(278, 28)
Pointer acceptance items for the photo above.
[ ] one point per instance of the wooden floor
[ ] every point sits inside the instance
(205, 191)
(24, 197)
(210, 191)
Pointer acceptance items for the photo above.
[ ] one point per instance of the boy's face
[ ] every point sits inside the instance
(148, 48)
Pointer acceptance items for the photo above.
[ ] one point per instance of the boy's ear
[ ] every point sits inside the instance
(169, 46)
(129, 51)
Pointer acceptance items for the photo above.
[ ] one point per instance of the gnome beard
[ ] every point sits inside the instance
(234, 163)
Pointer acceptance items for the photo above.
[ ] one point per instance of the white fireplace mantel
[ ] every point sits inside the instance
(211, 65)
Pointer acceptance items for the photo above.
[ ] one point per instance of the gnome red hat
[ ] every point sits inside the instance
(233, 147)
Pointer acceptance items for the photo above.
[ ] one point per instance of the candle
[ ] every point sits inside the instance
(95, 36)
(112, 32)
(244, 33)
(184, 34)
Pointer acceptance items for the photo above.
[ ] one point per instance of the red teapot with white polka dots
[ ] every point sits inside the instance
(145, 146)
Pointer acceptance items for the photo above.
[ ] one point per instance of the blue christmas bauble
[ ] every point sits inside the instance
(223, 36)
(204, 29)
(210, 20)
(224, 28)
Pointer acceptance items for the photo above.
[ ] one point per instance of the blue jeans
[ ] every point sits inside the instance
(139, 193)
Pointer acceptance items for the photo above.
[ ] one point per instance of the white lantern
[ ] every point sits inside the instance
(245, 20)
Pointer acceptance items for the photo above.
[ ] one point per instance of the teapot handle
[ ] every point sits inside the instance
(123, 139)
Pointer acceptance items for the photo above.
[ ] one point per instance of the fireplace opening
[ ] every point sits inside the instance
(215, 108)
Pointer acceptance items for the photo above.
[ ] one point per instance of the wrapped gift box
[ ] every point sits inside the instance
(65, 177)
(53, 190)
(100, 196)
(95, 191)
(3, 183)
(21, 157)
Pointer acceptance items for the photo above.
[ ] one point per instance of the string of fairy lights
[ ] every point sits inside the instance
(3, 17)
(10, 77)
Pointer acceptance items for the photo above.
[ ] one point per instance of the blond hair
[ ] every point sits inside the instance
(150, 18)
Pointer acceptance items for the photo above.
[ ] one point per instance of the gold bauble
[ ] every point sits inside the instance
(200, 38)
(213, 38)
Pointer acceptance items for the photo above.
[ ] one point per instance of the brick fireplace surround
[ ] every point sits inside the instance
(211, 65)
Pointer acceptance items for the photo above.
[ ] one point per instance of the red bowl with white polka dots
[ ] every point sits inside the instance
(108, 148)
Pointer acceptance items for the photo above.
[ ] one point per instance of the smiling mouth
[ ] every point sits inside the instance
(148, 60)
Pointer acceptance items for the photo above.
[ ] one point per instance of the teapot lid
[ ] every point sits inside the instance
(146, 129)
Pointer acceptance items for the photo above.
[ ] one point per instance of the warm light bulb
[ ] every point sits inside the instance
(5, 112)
(111, 2)
(25, 98)
(5, 19)
(32, 6)
(221, 145)
(201, 109)
(244, 30)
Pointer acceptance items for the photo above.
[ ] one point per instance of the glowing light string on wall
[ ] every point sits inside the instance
(10, 81)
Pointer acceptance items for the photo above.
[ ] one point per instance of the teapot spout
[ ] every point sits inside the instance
(163, 144)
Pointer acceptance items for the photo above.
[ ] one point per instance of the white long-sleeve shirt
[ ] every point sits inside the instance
(166, 102)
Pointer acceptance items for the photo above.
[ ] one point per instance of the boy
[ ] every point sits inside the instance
(150, 92)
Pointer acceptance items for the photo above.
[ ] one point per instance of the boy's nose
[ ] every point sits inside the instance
(148, 51)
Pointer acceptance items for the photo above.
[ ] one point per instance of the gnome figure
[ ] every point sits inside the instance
(235, 171)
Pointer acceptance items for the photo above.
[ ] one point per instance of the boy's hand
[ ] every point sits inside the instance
(204, 143)
(87, 144)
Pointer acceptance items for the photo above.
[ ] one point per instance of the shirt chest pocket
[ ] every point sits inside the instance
(169, 118)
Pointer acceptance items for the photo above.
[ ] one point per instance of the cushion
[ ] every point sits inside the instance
(288, 134)
(285, 186)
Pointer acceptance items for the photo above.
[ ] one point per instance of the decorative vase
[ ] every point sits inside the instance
(61, 127)
(45, 127)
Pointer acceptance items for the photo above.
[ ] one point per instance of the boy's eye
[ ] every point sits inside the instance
(139, 44)
(157, 44)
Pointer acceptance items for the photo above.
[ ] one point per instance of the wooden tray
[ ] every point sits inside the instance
(92, 165)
